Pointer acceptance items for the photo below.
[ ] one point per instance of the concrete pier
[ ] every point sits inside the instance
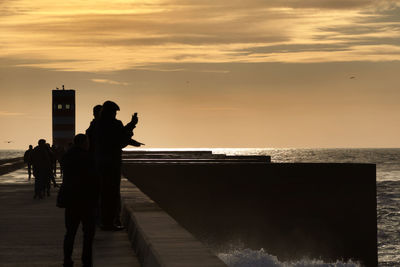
(191, 156)
(32, 232)
(157, 238)
(293, 211)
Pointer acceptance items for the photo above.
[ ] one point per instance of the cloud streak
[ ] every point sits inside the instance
(8, 114)
(109, 82)
(216, 109)
(115, 35)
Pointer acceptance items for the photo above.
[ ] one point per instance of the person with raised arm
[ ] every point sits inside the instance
(110, 137)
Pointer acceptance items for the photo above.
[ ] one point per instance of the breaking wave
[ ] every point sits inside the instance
(259, 258)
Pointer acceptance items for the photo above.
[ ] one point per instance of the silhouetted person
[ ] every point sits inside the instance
(110, 137)
(41, 167)
(60, 153)
(53, 150)
(69, 146)
(92, 127)
(80, 194)
(50, 177)
(28, 160)
(90, 135)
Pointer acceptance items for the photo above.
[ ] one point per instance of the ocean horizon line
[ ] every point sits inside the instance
(217, 148)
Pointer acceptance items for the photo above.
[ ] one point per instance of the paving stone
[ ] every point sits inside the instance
(32, 230)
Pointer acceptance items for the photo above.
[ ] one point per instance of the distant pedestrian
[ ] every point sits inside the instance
(28, 160)
(51, 178)
(60, 153)
(41, 167)
(54, 160)
(80, 195)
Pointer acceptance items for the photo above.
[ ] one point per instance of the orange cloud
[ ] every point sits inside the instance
(115, 35)
(7, 113)
(109, 82)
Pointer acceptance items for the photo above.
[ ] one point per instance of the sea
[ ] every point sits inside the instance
(387, 162)
(7, 154)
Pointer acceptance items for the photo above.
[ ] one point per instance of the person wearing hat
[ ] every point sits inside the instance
(110, 136)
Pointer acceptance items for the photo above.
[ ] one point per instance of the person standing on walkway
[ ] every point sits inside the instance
(60, 153)
(90, 131)
(80, 193)
(110, 137)
(28, 160)
(51, 178)
(90, 135)
(53, 151)
(41, 167)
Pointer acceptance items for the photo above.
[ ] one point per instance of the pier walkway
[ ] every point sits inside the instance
(32, 231)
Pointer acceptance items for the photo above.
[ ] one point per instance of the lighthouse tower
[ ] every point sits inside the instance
(63, 117)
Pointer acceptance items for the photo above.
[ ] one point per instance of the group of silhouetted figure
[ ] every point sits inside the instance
(91, 172)
(43, 160)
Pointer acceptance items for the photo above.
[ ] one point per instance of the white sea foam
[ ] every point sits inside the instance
(259, 258)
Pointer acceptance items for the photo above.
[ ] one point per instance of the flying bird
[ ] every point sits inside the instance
(352, 77)
(8, 142)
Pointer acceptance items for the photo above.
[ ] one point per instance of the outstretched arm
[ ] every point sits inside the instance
(135, 143)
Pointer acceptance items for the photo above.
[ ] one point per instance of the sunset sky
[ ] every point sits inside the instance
(220, 73)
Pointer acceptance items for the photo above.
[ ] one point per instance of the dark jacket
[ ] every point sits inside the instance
(81, 187)
(41, 161)
(90, 134)
(110, 137)
(28, 156)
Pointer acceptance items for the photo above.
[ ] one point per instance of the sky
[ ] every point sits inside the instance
(254, 73)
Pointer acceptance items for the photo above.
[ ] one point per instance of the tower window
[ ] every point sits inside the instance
(67, 106)
(59, 106)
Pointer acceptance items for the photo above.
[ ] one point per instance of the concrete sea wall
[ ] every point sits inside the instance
(9, 165)
(158, 240)
(292, 210)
